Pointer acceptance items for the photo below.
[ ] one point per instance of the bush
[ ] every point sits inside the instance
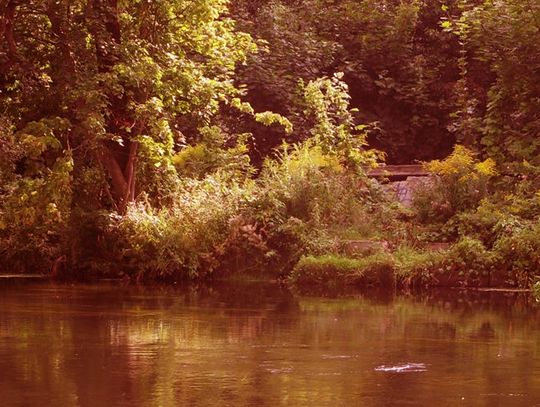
(483, 223)
(313, 186)
(419, 268)
(470, 258)
(518, 253)
(181, 242)
(221, 224)
(211, 155)
(35, 205)
(459, 183)
(466, 263)
(303, 199)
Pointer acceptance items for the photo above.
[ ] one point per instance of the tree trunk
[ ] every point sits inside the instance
(118, 159)
(8, 23)
(57, 12)
(9, 46)
(129, 175)
(122, 176)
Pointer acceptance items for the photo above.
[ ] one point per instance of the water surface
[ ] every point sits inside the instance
(260, 345)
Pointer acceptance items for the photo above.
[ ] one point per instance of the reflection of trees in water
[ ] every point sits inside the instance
(471, 301)
(114, 345)
(256, 344)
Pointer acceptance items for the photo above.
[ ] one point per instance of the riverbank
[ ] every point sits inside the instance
(463, 264)
(323, 276)
(307, 219)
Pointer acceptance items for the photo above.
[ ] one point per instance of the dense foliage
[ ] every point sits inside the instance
(185, 139)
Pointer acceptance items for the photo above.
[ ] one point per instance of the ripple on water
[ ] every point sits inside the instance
(402, 368)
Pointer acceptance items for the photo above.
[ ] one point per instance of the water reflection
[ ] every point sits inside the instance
(259, 345)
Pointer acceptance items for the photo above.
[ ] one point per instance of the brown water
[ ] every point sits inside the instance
(260, 345)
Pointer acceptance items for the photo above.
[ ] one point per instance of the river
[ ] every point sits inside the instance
(261, 345)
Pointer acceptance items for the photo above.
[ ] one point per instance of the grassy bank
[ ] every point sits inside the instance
(309, 219)
(464, 264)
(469, 226)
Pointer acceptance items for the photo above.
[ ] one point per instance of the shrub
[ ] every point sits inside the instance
(471, 259)
(35, 201)
(244, 250)
(181, 242)
(313, 186)
(332, 123)
(220, 224)
(416, 268)
(467, 263)
(303, 200)
(459, 183)
(518, 253)
(211, 155)
(482, 224)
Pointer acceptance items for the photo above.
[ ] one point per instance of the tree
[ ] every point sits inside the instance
(96, 98)
(400, 65)
(129, 81)
(500, 64)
